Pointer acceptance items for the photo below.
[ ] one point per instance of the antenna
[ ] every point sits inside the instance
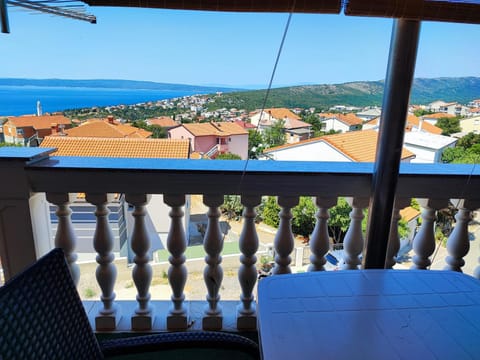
(72, 9)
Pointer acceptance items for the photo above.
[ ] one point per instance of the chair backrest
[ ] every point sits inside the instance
(42, 316)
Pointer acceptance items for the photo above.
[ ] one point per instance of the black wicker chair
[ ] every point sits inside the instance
(42, 317)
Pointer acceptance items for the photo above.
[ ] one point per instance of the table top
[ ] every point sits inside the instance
(370, 314)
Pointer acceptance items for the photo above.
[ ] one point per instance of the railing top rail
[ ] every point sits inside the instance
(254, 177)
(183, 165)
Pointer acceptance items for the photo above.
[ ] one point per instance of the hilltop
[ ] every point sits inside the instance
(359, 93)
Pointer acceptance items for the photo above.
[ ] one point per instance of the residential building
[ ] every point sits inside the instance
(107, 128)
(412, 123)
(433, 118)
(341, 122)
(471, 124)
(246, 125)
(474, 104)
(427, 147)
(352, 146)
(295, 129)
(369, 114)
(452, 108)
(165, 122)
(268, 117)
(120, 218)
(213, 138)
(29, 130)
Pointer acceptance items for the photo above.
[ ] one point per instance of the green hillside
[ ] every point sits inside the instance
(362, 93)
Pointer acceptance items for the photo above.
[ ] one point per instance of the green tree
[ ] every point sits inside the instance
(339, 220)
(275, 134)
(314, 120)
(467, 151)
(232, 207)
(269, 211)
(303, 221)
(157, 131)
(469, 140)
(228, 156)
(255, 144)
(421, 112)
(450, 155)
(449, 125)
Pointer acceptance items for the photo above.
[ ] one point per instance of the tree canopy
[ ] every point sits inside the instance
(449, 125)
(467, 151)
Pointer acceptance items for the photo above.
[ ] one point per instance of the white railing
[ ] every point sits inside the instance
(212, 151)
(32, 172)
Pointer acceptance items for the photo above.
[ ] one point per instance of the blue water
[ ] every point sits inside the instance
(22, 100)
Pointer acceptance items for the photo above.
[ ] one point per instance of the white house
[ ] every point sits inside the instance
(353, 146)
(427, 147)
(341, 122)
(369, 114)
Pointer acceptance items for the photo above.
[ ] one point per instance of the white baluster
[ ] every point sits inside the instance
(394, 237)
(284, 241)
(458, 243)
(247, 274)
(354, 241)
(106, 273)
(320, 241)
(65, 236)
(142, 271)
(424, 241)
(177, 318)
(213, 273)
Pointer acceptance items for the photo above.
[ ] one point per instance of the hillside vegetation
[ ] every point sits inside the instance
(361, 93)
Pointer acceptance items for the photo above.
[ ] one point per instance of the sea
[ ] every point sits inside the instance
(22, 100)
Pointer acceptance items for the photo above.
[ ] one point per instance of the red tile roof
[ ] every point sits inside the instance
(38, 122)
(349, 119)
(438, 115)
(360, 146)
(413, 121)
(118, 147)
(163, 121)
(106, 129)
(244, 124)
(282, 113)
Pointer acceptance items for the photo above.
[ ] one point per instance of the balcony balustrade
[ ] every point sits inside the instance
(33, 176)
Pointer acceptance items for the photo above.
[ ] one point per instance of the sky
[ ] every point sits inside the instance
(232, 49)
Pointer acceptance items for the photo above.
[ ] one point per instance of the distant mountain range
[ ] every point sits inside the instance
(113, 84)
(359, 93)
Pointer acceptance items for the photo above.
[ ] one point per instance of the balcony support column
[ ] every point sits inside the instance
(398, 83)
(21, 240)
(284, 241)
(320, 241)
(353, 242)
(458, 243)
(142, 271)
(424, 241)
(394, 237)
(213, 273)
(65, 237)
(106, 272)
(177, 318)
(247, 274)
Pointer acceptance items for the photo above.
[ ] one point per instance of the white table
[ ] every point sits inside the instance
(370, 314)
